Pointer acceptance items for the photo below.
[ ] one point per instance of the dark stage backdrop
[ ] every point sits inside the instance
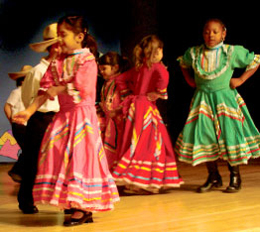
(180, 26)
(118, 26)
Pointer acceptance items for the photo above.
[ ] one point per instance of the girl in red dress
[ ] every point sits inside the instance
(110, 66)
(147, 161)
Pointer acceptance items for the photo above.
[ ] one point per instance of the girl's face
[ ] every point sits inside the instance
(69, 41)
(108, 71)
(213, 34)
(157, 55)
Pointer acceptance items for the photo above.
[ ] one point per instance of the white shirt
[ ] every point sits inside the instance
(31, 86)
(15, 100)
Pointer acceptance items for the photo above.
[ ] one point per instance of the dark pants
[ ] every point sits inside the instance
(19, 135)
(35, 130)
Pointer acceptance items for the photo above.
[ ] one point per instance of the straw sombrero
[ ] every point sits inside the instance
(24, 70)
(50, 37)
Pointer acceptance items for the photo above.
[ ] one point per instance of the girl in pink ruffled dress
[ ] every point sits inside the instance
(72, 167)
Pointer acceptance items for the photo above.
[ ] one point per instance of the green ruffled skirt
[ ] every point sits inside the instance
(218, 126)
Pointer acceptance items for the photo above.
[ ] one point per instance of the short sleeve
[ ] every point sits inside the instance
(47, 81)
(242, 58)
(86, 78)
(13, 98)
(186, 59)
(31, 85)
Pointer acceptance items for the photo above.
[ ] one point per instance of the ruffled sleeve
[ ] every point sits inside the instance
(186, 60)
(84, 82)
(254, 63)
(86, 77)
(245, 59)
(47, 81)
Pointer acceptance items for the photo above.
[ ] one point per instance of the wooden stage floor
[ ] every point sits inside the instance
(177, 210)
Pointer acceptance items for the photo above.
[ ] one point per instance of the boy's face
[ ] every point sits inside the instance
(213, 34)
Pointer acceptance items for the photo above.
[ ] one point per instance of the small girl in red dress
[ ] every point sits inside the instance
(147, 161)
(110, 66)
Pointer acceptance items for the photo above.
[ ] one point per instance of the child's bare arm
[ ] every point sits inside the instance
(236, 82)
(23, 116)
(187, 75)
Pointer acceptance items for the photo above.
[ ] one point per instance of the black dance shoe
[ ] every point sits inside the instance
(86, 218)
(28, 209)
(235, 180)
(235, 184)
(69, 211)
(210, 184)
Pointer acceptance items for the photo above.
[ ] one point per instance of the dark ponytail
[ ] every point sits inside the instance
(90, 42)
(78, 24)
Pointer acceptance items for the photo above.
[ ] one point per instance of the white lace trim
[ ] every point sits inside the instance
(196, 57)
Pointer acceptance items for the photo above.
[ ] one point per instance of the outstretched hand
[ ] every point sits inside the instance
(21, 117)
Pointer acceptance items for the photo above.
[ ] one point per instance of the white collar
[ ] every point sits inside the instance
(215, 47)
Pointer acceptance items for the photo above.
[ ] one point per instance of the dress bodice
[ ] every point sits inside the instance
(213, 68)
(78, 72)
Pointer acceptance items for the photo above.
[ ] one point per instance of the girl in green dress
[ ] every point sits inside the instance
(219, 124)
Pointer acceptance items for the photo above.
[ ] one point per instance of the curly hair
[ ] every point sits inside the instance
(145, 49)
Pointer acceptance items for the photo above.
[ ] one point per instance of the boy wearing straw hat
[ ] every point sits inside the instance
(12, 106)
(38, 123)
